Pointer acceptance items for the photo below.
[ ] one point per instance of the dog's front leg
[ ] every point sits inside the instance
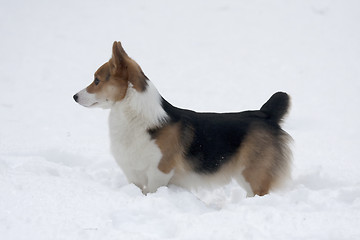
(136, 177)
(156, 179)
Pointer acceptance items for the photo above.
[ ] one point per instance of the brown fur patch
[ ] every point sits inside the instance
(263, 158)
(168, 140)
(122, 63)
(136, 76)
(112, 87)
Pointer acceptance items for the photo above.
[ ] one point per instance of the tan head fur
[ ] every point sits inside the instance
(112, 80)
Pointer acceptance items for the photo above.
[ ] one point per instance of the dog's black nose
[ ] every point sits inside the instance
(75, 97)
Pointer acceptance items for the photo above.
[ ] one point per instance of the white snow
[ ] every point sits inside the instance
(57, 177)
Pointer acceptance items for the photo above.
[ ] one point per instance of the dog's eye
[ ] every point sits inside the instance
(96, 81)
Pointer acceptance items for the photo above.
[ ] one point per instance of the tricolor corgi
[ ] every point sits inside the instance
(157, 144)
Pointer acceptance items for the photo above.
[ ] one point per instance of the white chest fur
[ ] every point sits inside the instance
(133, 149)
(130, 143)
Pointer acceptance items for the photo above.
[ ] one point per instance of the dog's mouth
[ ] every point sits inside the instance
(93, 105)
(85, 99)
(91, 101)
(89, 105)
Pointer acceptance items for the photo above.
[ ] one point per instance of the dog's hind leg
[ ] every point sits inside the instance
(259, 157)
(245, 185)
(259, 179)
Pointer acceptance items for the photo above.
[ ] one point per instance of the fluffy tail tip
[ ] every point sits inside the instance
(277, 106)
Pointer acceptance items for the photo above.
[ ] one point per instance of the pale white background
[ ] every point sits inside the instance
(57, 177)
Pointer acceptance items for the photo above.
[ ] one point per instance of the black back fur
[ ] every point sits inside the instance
(215, 137)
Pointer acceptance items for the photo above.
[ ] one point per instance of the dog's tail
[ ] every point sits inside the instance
(277, 106)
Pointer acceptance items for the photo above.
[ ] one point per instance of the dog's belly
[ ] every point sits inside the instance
(193, 180)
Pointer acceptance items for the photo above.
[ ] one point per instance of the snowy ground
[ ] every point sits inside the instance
(57, 177)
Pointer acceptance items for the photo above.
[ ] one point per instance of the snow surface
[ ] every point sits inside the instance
(57, 177)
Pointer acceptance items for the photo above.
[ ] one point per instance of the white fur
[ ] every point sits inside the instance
(134, 150)
(94, 100)
(86, 99)
(146, 105)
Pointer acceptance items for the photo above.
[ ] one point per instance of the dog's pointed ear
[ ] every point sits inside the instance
(122, 65)
(119, 56)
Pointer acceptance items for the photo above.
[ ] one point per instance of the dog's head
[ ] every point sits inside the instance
(112, 80)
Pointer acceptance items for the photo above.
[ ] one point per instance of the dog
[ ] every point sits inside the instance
(157, 144)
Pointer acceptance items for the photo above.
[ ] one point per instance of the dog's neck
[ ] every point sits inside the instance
(144, 109)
